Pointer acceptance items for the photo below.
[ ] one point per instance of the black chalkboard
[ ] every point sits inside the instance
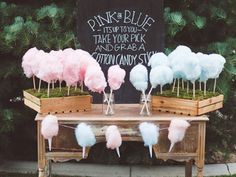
(124, 32)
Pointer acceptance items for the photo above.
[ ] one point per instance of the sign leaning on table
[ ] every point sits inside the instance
(121, 32)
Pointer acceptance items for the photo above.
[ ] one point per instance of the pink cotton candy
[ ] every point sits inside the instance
(59, 55)
(116, 77)
(177, 131)
(95, 79)
(86, 60)
(41, 55)
(28, 60)
(113, 138)
(71, 69)
(49, 128)
(50, 68)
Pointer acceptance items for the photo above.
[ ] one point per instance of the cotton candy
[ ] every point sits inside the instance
(84, 136)
(177, 131)
(71, 69)
(95, 79)
(139, 77)
(28, 60)
(158, 59)
(219, 61)
(49, 128)
(85, 60)
(116, 77)
(113, 138)
(192, 69)
(150, 134)
(161, 75)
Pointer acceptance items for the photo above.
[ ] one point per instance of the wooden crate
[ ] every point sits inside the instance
(58, 105)
(185, 106)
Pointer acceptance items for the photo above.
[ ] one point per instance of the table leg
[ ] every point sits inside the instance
(188, 168)
(41, 152)
(201, 149)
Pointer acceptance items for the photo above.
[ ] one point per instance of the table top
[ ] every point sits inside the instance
(123, 112)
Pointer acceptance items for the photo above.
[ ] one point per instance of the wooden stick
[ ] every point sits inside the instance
(187, 86)
(48, 88)
(52, 84)
(68, 91)
(109, 107)
(145, 104)
(214, 89)
(173, 88)
(205, 86)
(60, 85)
(82, 86)
(200, 85)
(183, 84)
(178, 88)
(34, 85)
(106, 99)
(76, 86)
(39, 85)
(194, 90)
(161, 89)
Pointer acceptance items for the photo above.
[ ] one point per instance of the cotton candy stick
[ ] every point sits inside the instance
(205, 87)
(178, 88)
(145, 105)
(214, 88)
(106, 99)
(173, 88)
(68, 91)
(48, 89)
(34, 85)
(194, 94)
(182, 84)
(39, 85)
(200, 85)
(109, 107)
(187, 86)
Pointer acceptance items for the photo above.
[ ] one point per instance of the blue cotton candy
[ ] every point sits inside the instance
(84, 135)
(161, 75)
(139, 77)
(219, 61)
(158, 59)
(149, 133)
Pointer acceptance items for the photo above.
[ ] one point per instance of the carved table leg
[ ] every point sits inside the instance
(41, 151)
(201, 149)
(188, 168)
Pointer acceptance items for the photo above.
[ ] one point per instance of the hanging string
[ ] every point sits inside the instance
(66, 126)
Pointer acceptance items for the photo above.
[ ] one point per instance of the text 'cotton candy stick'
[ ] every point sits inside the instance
(49, 128)
(139, 79)
(150, 134)
(113, 138)
(177, 131)
(84, 136)
(116, 77)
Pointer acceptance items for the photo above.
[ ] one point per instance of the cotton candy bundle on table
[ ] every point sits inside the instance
(150, 134)
(192, 69)
(84, 136)
(139, 79)
(219, 66)
(95, 79)
(160, 75)
(177, 61)
(158, 59)
(85, 60)
(28, 63)
(116, 77)
(71, 70)
(49, 128)
(60, 57)
(177, 130)
(113, 138)
(49, 70)
(208, 70)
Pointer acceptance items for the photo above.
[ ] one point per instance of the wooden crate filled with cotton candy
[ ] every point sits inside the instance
(175, 77)
(58, 78)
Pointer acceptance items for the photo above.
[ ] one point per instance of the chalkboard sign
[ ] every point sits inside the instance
(123, 32)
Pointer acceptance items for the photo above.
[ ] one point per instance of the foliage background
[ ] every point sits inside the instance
(207, 26)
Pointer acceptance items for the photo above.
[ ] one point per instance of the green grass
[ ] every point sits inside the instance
(56, 92)
(184, 95)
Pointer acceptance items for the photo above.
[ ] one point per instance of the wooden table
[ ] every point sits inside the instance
(127, 118)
